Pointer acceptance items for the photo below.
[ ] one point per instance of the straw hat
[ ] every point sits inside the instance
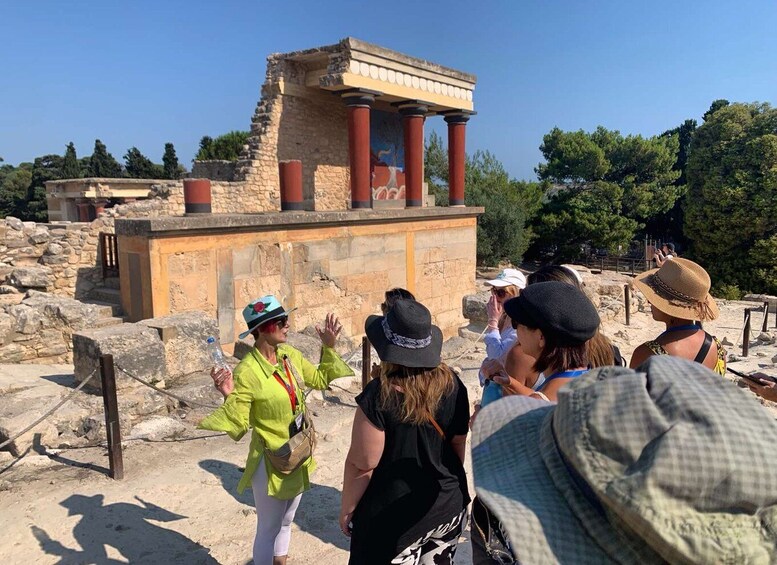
(680, 288)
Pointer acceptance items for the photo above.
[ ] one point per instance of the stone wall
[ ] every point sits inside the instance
(214, 170)
(63, 258)
(293, 121)
(315, 266)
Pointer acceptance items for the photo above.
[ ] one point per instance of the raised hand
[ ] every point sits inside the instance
(494, 311)
(222, 380)
(332, 328)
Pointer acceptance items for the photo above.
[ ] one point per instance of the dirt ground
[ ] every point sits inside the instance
(178, 501)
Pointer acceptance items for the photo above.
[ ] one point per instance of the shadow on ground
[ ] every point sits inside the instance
(126, 528)
(317, 513)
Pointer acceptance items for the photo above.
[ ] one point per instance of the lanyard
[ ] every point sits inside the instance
(684, 328)
(290, 389)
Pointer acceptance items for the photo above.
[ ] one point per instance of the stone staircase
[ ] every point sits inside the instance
(108, 299)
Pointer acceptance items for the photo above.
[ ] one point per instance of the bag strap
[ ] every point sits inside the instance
(438, 428)
(705, 348)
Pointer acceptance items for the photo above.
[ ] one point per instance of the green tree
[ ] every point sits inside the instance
(669, 226)
(172, 170)
(714, 107)
(44, 168)
(225, 147)
(138, 166)
(13, 192)
(731, 207)
(502, 232)
(102, 164)
(70, 166)
(605, 186)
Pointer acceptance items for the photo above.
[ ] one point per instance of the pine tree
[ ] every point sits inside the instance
(70, 166)
(170, 161)
(102, 164)
(138, 166)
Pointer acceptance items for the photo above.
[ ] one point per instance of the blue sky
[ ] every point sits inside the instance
(143, 73)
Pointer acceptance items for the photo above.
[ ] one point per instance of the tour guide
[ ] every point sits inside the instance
(267, 396)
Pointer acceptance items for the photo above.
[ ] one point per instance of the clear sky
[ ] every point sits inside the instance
(142, 73)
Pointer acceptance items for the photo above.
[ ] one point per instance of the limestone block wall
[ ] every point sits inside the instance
(293, 121)
(63, 258)
(318, 269)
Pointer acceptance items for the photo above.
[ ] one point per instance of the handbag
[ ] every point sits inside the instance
(291, 455)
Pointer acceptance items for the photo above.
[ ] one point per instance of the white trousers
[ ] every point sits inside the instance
(273, 519)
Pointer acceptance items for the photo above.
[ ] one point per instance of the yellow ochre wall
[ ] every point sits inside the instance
(343, 269)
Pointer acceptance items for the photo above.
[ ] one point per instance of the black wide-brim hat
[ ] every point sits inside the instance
(406, 336)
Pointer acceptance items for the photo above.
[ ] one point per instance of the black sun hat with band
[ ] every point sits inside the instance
(405, 335)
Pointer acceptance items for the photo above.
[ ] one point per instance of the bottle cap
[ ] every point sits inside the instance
(211, 339)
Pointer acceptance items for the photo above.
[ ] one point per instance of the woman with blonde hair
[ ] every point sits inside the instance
(679, 296)
(404, 487)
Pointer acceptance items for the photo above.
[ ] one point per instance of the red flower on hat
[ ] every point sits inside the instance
(259, 307)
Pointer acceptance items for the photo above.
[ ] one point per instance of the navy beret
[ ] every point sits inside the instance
(555, 308)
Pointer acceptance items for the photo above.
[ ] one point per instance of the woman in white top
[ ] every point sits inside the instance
(500, 335)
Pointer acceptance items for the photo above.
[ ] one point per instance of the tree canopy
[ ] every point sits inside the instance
(71, 169)
(605, 187)
(731, 209)
(102, 164)
(225, 147)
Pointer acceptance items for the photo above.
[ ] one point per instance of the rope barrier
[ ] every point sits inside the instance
(50, 412)
(166, 393)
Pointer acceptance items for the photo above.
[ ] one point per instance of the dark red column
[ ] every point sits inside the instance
(290, 173)
(196, 196)
(99, 206)
(457, 124)
(84, 208)
(413, 125)
(359, 147)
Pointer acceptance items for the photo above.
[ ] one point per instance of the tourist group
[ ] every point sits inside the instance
(576, 458)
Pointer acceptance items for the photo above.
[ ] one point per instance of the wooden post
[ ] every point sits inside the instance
(746, 334)
(766, 317)
(617, 264)
(366, 362)
(112, 428)
(627, 303)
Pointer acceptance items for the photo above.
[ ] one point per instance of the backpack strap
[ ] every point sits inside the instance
(705, 348)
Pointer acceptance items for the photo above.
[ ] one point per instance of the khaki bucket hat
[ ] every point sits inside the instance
(679, 288)
(666, 463)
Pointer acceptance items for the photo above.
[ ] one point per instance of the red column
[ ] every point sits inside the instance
(456, 157)
(83, 211)
(196, 196)
(290, 173)
(359, 147)
(99, 207)
(413, 125)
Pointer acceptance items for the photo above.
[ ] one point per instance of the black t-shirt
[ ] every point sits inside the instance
(419, 482)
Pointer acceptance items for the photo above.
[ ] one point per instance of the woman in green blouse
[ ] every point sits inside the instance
(263, 396)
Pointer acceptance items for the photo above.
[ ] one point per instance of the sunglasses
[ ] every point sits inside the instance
(272, 325)
(500, 292)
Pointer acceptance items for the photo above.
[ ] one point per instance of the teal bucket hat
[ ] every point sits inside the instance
(666, 463)
(262, 310)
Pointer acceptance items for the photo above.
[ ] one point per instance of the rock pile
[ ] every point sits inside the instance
(39, 328)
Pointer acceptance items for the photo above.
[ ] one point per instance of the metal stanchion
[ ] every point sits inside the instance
(366, 362)
(627, 303)
(766, 317)
(746, 334)
(112, 428)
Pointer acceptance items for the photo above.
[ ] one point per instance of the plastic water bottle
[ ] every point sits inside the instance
(216, 355)
(491, 392)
